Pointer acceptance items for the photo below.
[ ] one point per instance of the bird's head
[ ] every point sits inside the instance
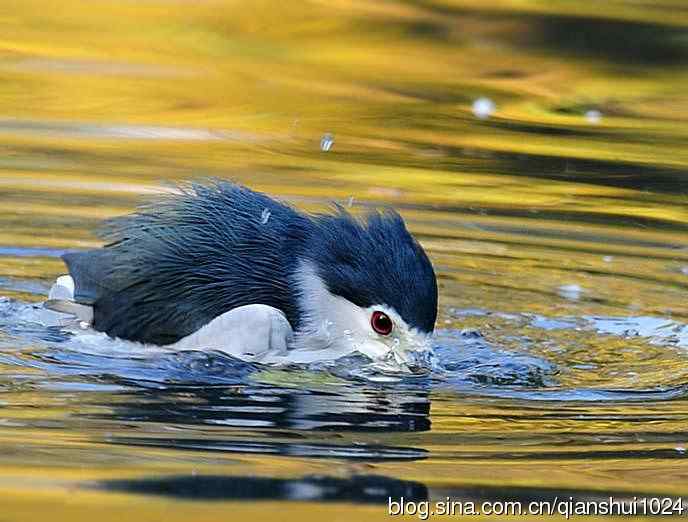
(365, 286)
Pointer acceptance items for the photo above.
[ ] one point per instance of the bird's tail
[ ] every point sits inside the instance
(61, 299)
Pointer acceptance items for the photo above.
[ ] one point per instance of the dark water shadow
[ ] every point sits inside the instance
(371, 490)
(359, 489)
(626, 42)
(607, 36)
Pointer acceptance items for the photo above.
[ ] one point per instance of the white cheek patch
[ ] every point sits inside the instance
(340, 327)
(329, 321)
(402, 337)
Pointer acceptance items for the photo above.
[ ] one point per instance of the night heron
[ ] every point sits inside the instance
(216, 265)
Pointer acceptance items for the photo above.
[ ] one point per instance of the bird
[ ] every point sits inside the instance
(216, 265)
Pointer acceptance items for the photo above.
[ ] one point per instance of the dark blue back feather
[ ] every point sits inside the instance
(183, 260)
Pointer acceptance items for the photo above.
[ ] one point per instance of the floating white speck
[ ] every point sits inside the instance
(593, 116)
(608, 259)
(684, 270)
(264, 216)
(483, 108)
(326, 142)
(350, 203)
(572, 292)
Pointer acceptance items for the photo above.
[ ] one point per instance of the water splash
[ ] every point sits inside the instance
(593, 116)
(465, 361)
(483, 108)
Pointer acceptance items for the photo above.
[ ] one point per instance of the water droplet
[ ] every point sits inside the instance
(350, 203)
(608, 259)
(684, 270)
(483, 108)
(265, 215)
(326, 142)
(593, 116)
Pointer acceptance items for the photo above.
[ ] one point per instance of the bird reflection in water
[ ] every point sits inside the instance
(285, 417)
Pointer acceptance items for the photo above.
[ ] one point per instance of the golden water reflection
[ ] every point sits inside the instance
(536, 212)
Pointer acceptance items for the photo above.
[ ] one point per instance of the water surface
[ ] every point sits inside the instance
(557, 225)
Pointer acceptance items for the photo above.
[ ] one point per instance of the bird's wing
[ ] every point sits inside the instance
(248, 332)
(88, 272)
(184, 259)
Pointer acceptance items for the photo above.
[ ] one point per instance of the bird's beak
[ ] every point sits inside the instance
(413, 357)
(418, 360)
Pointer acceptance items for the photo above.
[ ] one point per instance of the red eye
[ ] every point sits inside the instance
(381, 323)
